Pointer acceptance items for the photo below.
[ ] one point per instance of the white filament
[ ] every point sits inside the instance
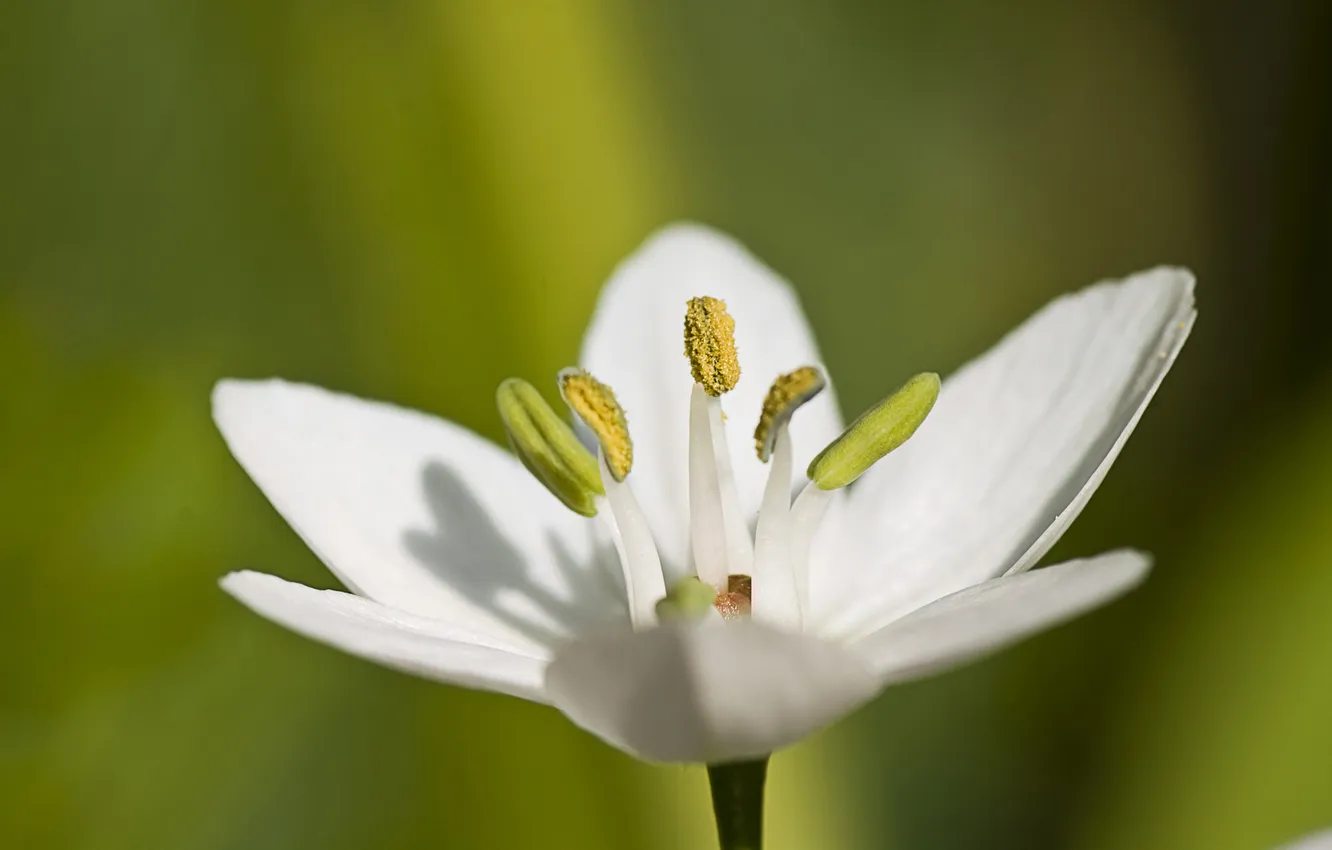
(739, 544)
(806, 514)
(707, 528)
(774, 597)
(643, 580)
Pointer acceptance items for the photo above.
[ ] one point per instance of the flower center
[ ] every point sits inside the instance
(736, 574)
(736, 603)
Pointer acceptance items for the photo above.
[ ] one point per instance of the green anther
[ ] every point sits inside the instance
(689, 599)
(877, 432)
(548, 447)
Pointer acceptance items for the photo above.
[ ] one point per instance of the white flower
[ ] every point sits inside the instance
(464, 569)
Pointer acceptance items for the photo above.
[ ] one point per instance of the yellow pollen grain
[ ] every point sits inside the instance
(709, 342)
(786, 394)
(595, 404)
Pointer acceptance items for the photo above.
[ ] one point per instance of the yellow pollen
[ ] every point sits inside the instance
(709, 338)
(595, 404)
(785, 396)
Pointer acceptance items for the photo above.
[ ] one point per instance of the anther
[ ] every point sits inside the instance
(688, 599)
(785, 396)
(548, 447)
(709, 335)
(877, 432)
(594, 403)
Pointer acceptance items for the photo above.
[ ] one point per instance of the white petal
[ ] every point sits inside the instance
(691, 693)
(418, 513)
(635, 343)
(985, 618)
(417, 645)
(1319, 841)
(1014, 448)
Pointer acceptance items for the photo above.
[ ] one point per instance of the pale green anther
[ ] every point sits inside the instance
(877, 432)
(689, 599)
(548, 447)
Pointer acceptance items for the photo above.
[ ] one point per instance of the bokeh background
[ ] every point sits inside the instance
(413, 199)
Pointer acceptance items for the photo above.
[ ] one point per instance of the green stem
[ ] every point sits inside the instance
(737, 802)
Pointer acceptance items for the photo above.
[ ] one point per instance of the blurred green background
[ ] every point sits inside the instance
(413, 199)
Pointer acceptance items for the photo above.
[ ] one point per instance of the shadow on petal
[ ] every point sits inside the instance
(466, 551)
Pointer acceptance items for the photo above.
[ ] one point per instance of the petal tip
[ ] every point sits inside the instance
(224, 392)
(231, 394)
(704, 245)
(687, 233)
(237, 582)
(1134, 564)
(1180, 280)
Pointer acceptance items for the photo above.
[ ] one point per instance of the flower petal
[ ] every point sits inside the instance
(1318, 841)
(635, 344)
(406, 642)
(989, 616)
(705, 693)
(419, 514)
(1016, 445)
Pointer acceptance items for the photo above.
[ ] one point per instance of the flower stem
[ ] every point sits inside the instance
(737, 802)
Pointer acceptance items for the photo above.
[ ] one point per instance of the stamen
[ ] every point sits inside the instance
(784, 398)
(595, 404)
(707, 530)
(548, 447)
(709, 335)
(806, 516)
(877, 432)
(739, 543)
(718, 530)
(643, 581)
(775, 597)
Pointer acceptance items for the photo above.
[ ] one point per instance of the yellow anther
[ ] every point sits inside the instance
(595, 404)
(785, 396)
(709, 337)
